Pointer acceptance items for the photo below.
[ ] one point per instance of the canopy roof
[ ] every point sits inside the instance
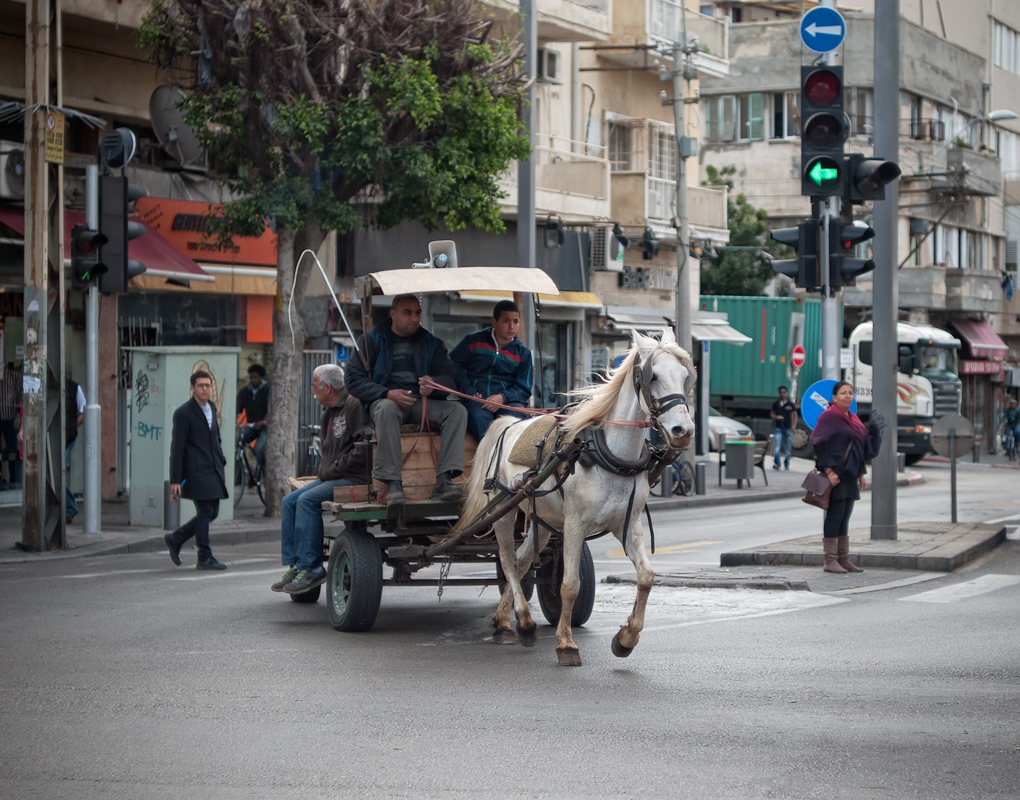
(459, 279)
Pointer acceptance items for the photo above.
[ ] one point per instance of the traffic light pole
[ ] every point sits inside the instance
(92, 411)
(832, 328)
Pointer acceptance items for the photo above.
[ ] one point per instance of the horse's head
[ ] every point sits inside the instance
(664, 378)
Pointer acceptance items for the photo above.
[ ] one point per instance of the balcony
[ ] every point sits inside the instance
(937, 288)
(571, 180)
(640, 199)
(973, 290)
(646, 24)
(967, 172)
(560, 20)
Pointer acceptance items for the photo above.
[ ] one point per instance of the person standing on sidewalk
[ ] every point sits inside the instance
(344, 462)
(74, 403)
(196, 470)
(784, 414)
(842, 446)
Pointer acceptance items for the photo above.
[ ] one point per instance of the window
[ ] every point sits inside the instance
(735, 118)
(785, 115)
(859, 105)
(663, 153)
(621, 146)
(1006, 48)
(549, 66)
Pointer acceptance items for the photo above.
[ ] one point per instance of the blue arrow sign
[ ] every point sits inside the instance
(822, 29)
(817, 398)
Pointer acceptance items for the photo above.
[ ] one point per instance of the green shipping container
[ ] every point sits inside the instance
(749, 375)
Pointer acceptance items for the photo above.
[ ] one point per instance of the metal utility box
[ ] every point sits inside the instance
(739, 461)
(160, 382)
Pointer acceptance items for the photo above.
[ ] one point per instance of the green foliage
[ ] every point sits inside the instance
(333, 115)
(740, 272)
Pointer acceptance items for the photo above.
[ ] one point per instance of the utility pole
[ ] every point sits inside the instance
(832, 325)
(886, 281)
(43, 525)
(526, 175)
(93, 418)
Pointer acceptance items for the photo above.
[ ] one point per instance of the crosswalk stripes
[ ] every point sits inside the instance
(965, 590)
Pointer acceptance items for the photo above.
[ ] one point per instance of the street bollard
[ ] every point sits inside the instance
(901, 462)
(700, 471)
(975, 452)
(171, 509)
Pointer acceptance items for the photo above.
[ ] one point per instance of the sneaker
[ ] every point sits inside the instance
(288, 576)
(446, 490)
(776, 467)
(787, 467)
(306, 579)
(210, 564)
(395, 494)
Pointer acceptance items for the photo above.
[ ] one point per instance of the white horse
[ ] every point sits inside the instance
(607, 491)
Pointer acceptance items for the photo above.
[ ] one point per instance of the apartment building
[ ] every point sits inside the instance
(958, 151)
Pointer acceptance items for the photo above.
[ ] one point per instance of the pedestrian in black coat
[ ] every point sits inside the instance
(196, 470)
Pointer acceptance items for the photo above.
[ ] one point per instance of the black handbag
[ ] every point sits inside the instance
(817, 486)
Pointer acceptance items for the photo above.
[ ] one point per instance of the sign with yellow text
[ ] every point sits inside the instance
(55, 137)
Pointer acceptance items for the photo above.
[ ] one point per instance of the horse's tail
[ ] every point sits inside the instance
(477, 498)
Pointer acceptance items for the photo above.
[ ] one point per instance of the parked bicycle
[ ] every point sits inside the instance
(314, 454)
(247, 470)
(683, 480)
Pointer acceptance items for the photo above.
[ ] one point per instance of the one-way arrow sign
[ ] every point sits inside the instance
(822, 29)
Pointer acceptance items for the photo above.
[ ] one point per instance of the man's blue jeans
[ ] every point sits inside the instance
(301, 523)
(782, 441)
(479, 419)
(71, 506)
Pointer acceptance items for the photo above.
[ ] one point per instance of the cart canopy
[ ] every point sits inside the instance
(460, 279)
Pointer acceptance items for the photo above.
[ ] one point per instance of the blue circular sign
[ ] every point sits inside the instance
(822, 29)
(818, 397)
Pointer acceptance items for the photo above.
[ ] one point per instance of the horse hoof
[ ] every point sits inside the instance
(568, 657)
(619, 650)
(527, 638)
(504, 637)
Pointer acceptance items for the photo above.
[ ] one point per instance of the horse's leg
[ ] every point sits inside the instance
(626, 638)
(508, 559)
(567, 654)
(526, 552)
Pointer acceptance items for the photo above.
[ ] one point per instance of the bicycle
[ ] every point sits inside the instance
(1009, 443)
(314, 454)
(683, 480)
(247, 470)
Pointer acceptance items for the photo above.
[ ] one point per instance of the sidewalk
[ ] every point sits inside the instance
(792, 564)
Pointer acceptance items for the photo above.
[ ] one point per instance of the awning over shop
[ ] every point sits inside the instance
(627, 320)
(163, 262)
(715, 330)
(981, 339)
(561, 300)
(250, 281)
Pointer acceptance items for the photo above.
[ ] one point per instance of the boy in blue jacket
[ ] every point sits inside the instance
(494, 365)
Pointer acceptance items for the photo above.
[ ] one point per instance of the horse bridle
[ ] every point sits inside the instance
(642, 375)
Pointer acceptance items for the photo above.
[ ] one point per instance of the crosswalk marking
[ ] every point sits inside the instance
(962, 591)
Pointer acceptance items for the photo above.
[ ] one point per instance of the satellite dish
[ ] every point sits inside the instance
(177, 139)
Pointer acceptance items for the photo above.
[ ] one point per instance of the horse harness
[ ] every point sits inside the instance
(595, 452)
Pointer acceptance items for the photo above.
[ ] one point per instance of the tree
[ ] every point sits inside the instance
(322, 115)
(740, 272)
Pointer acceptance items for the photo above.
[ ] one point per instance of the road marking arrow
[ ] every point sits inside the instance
(825, 30)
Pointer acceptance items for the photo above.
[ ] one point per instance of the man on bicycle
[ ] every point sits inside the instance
(253, 402)
(1011, 421)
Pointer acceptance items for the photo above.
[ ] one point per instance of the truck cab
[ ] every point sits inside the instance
(928, 385)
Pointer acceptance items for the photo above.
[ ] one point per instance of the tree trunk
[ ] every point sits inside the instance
(287, 361)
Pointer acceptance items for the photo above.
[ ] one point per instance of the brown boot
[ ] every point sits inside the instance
(843, 555)
(829, 545)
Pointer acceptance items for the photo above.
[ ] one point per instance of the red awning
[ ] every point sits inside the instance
(982, 341)
(161, 259)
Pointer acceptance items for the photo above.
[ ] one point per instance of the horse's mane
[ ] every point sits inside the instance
(597, 401)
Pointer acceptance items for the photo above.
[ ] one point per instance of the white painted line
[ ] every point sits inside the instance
(924, 576)
(962, 591)
(230, 573)
(109, 574)
(1010, 518)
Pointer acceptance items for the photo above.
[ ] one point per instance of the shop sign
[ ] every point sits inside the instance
(981, 367)
(54, 137)
(647, 278)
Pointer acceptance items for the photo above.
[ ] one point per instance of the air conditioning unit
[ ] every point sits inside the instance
(606, 252)
(12, 171)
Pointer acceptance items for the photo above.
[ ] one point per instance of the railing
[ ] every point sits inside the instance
(667, 22)
(660, 198)
(706, 205)
(595, 5)
(920, 130)
(567, 167)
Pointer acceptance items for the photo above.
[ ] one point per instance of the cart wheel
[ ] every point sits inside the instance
(354, 587)
(527, 582)
(549, 590)
(311, 596)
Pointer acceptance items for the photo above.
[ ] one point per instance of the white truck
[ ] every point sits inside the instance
(928, 384)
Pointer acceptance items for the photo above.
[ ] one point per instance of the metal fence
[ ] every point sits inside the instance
(309, 411)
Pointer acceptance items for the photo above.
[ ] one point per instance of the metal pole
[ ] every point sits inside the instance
(683, 223)
(526, 172)
(886, 280)
(952, 469)
(93, 420)
(832, 328)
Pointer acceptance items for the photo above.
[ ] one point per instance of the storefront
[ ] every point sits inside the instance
(981, 370)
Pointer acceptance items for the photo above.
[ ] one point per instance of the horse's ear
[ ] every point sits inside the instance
(668, 337)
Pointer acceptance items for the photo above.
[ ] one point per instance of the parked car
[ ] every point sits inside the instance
(720, 427)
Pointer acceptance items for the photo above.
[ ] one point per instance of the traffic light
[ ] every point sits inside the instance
(866, 177)
(823, 130)
(804, 239)
(116, 196)
(843, 270)
(85, 264)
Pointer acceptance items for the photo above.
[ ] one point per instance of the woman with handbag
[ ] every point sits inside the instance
(842, 446)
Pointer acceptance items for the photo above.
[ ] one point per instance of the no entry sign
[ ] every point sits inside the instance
(797, 356)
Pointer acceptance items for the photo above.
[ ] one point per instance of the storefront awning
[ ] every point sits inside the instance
(561, 300)
(981, 339)
(250, 281)
(717, 331)
(629, 321)
(163, 262)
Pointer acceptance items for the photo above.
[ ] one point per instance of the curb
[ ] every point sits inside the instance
(765, 582)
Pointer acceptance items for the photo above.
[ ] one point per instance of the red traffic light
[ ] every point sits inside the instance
(822, 87)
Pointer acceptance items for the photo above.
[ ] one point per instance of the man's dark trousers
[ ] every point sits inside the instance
(205, 512)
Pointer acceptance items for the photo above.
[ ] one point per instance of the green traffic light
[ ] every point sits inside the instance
(821, 175)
